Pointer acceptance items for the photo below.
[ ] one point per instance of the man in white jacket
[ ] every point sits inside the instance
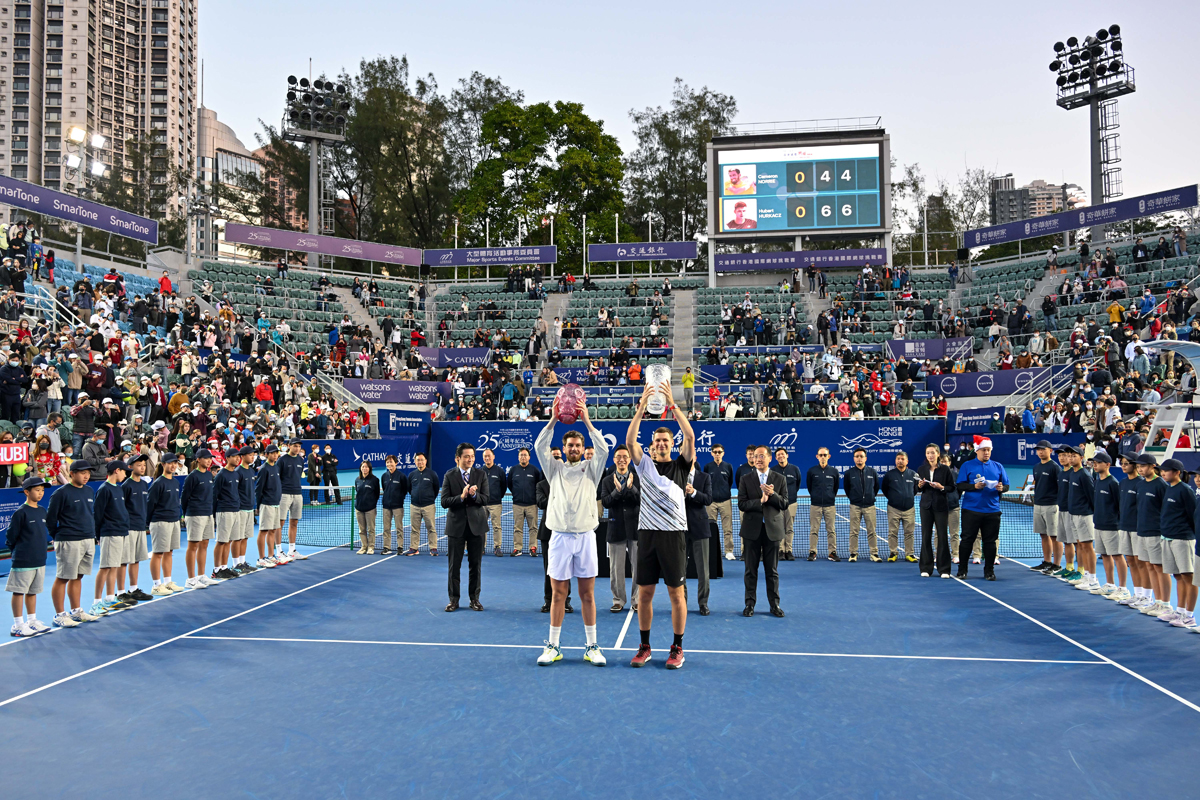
(572, 520)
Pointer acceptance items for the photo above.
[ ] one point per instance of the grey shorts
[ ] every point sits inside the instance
(1125, 545)
(135, 547)
(199, 528)
(1178, 556)
(1108, 543)
(291, 507)
(26, 581)
(74, 558)
(247, 522)
(1149, 548)
(113, 550)
(164, 537)
(228, 525)
(269, 518)
(1082, 528)
(1066, 531)
(1045, 521)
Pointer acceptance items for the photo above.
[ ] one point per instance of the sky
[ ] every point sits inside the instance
(957, 85)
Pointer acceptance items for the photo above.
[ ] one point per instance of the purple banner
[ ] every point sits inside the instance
(643, 251)
(798, 259)
(277, 239)
(397, 391)
(454, 356)
(45, 201)
(931, 348)
(479, 256)
(1103, 214)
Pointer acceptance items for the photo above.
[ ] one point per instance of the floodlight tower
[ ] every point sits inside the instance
(1093, 73)
(316, 115)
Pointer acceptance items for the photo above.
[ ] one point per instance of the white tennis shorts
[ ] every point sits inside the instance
(572, 555)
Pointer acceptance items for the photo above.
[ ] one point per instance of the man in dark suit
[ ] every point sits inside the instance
(621, 493)
(465, 498)
(697, 497)
(762, 499)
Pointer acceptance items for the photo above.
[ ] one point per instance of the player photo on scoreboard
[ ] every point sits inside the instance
(741, 215)
(739, 179)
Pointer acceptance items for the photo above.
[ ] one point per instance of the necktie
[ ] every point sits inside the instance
(466, 477)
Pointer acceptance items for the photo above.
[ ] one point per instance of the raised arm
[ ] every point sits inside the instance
(687, 448)
(631, 434)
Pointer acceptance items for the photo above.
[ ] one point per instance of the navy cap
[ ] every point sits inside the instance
(296, 441)
(133, 459)
(35, 481)
(1103, 456)
(1146, 458)
(169, 458)
(1066, 448)
(231, 452)
(204, 454)
(114, 466)
(273, 448)
(1173, 463)
(247, 451)
(81, 465)
(1043, 443)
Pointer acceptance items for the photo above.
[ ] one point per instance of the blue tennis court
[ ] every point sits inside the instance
(341, 676)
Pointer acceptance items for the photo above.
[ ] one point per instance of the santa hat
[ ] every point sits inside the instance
(982, 441)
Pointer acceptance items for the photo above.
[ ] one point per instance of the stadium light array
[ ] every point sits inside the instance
(317, 105)
(1093, 67)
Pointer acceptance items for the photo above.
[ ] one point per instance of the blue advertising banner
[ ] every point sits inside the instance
(881, 439)
(605, 352)
(936, 349)
(394, 421)
(972, 420)
(1017, 449)
(278, 239)
(1103, 214)
(479, 256)
(351, 452)
(41, 200)
(397, 391)
(643, 251)
(780, 350)
(758, 262)
(1001, 382)
(454, 356)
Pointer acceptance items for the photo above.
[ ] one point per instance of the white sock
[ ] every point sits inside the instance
(589, 631)
(554, 634)
(157, 581)
(20, 620)
(110, 597)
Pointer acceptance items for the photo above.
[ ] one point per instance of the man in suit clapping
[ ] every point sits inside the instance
(762, 499)
(465, 498)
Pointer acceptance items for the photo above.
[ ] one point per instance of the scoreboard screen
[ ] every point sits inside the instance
(799, 187)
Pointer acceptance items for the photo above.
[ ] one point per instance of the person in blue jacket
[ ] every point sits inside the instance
(982, 483)
(163, 512)
(393, 486)
(73, 528)
(26, 540)
(196, 503)
(366, 498)
(861, 484)
(268, 494)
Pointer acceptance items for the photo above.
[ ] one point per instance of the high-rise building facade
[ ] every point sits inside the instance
(124, 69)
(1010, 203)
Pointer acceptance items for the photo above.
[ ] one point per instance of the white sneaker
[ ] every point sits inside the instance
(1156, 609)
(20, 629)
(38, 626)
(162, 590)
(174, 587)
(83, 616)
(207, 581)
(296, 554)
(1141, 602)
(729, 556)
(65, 620)
(550, 654)
(1106, 590)
(1120, 596)
(1168, 616)
(194, 583)
(945, 574)
(1092, 586)
(1184, 621)
(593, 654)
(271, 561)
(924, 574)
(264, 563)
(976, 560)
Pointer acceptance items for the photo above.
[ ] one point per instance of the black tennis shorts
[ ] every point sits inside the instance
(661, 555)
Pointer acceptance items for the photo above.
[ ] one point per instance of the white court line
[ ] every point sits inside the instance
(146, 603)
(1085, 648)
(624, 628)
(630, 649)
(189, 633)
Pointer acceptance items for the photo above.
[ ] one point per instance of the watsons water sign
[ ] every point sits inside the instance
(397, 391)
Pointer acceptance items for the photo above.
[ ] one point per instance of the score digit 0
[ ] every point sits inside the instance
(799, 176)
(800, 212)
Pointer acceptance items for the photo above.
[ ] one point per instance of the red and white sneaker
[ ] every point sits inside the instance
(642, 656)
(675, 659)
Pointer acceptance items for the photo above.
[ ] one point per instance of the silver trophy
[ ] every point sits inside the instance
(657, 375)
